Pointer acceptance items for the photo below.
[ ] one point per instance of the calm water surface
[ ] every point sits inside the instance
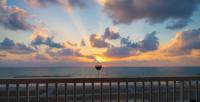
(105, 72)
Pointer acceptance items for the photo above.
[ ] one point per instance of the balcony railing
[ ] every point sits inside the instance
(138, 89)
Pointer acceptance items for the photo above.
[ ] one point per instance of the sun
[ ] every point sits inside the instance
(100, 59)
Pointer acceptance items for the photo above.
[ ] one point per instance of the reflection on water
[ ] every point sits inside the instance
(105, 72)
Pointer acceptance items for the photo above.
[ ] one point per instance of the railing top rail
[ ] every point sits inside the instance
(89, 80)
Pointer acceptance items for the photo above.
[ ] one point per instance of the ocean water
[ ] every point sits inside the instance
(10, 72)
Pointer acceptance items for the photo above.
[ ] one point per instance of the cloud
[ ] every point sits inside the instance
(121, 51)
(63, 53)
(184, 42)
(41, 57)
(110, 35)
(14, 18)
(130, 48)
(150, 42)
(68, 52)
(3, 54)
(127, 42)
(83, 43)
(71, 44)
(98, 41)
(153, 11)
(40, 40)
(179, 24)
(16, 48)
(67, 4)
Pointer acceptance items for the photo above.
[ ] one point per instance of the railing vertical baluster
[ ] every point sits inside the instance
(151, 91)
(197, 88)
(8, 92)
(83, 91)
(174, 92)
(110, 92)
(66, 92)
(143, 90)
(18, 96)
(47, 93)
(74, 91)
(189, 96)
(37, 92)
(159, 91)
(101, 86)
(92, 91)
(182, 91)
(127, 94)
(118, 91)
(167, 90)
(56, 86)
(135, 91)
(27, 92)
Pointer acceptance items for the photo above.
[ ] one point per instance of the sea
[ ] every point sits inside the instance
(87, 72)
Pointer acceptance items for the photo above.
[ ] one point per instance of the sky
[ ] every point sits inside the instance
(113, 32)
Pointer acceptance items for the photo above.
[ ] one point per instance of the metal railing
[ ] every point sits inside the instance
(138, 89)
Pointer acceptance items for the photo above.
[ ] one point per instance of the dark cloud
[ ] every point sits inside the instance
(110, 35)
(179, 24)
(127, 42)
(17, 48)
(41, 57)
(154, 11)
(123, 51)
(185, 42)
(39, 40)
(68, 52)
(130, 48)
(64, 52)
(150, 42)
(190, 39)
(98, 41)
(83, 43)
(71, 44)
(14, 18)
(45, 3)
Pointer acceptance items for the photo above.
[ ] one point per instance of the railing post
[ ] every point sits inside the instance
(66, 92)
(84, 92)
(101, 86)
(74, 91)
(189, 94)
(27, 92)
(143, 90)
(159, 91)
(56, 86)
(47, 93)
(150, 91)
(8, 92)
(118, 91)
(167, 90)
(37, 92)
(127, 94)
(182, 91)
(110, 90)
(92, 91)
(197, 89)
(135, 91)
(18, 96)
(174, 92)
